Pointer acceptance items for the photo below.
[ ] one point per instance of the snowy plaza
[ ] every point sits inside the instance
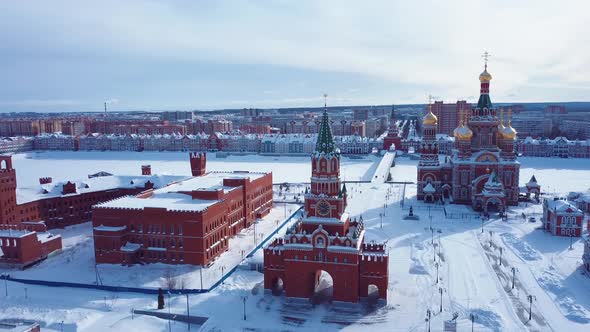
(448, 261)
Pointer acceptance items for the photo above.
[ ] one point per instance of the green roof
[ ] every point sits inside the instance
(325, 141)
(484, 101)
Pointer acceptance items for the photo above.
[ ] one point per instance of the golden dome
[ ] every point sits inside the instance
(509, 132)
(429, 119)
(485, 76)
(463, 133)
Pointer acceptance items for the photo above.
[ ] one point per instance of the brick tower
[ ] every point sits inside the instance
(7, 191)
(326, 244)
(198, 163)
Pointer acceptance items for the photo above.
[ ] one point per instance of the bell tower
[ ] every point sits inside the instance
(7, 191)
(327, 197)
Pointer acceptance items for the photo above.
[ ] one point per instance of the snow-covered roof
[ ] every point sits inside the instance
(176, 196)
(429, 188)
(100, 183)
(321, 220)
(131, 247)
(104, 228)
(560, 205)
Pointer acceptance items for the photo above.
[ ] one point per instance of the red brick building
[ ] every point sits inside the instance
(326, 244)
(26, 244)
(64, 203)
(187, 222)
(562, 218)
(448, 115)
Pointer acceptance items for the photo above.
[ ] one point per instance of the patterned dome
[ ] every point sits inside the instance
(429, 119)
(463, 133)
(485, 76)
(509, 132)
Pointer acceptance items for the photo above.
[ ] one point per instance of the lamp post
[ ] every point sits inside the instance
(188, 315)
(440, 291)
(571, 239)
(201, 275)
(381, 216)
(513, 276)
(244, 298)
(436, 264)
(428, 315)
(472, 317)
(531, 298)
(5, 276)
(501, 250)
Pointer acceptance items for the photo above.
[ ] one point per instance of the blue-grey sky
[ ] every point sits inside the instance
(152, 55)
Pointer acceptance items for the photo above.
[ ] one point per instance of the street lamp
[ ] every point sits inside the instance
(513, 276)
(188, 316)
(440, 290)
(473, 317)
(244, 298)
(501, 250)
(530, 298)
(381, 216)
(436, 264)
(428, 315)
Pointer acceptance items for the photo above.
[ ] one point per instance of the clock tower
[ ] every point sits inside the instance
(327, 196)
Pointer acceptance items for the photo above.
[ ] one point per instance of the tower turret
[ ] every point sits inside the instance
(198, 162)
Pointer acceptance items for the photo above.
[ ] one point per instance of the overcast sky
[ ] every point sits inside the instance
(153, 55)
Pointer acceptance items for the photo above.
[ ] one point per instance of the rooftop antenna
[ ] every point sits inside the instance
(325, 100)
(105, 109)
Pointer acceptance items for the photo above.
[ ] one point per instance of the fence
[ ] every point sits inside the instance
(124, 289)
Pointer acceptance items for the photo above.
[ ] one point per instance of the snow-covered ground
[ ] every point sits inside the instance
(68, 165)
(470, 276)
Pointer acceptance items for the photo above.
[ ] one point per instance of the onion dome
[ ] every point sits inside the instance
(429, 119)
(485, 77)
(463, 133)
(509, 132)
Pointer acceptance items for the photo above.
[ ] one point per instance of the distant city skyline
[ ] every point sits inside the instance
(149, 55)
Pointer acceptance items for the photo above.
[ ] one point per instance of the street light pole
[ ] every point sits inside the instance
(501, 250)
(473, 317)
(530, 298)
(436, 264)
(201, 274)
(428, 315)
(440, 290)
(381, 216)
(244, 301)
(513, 276)
(188, 315)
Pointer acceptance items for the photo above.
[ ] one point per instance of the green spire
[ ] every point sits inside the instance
(484, 101)
(325, 141)
(344, 187)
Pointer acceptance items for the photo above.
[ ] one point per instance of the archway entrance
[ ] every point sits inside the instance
(372, 294)
(277, 286)
(323, 288)
(494, 205)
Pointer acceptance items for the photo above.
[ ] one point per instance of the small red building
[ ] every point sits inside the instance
(326, 244)
(186, 222)
(393, 135)
(562, 218)
(26, 244)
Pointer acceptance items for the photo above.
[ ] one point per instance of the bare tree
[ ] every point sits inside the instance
(169, 279)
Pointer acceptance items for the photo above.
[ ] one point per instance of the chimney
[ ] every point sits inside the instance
(146, 170)
(45, 180)
(198, 162)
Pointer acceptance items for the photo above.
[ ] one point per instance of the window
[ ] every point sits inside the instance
(345, 260)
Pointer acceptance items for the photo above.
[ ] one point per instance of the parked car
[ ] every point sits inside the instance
(532, 219)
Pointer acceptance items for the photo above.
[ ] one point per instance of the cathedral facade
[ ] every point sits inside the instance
(482, 170)
(326, 240)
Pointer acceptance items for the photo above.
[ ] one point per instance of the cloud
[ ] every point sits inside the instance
(428, 46)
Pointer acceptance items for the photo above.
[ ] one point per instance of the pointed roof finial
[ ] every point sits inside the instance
(325, 101)
(486, 56)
